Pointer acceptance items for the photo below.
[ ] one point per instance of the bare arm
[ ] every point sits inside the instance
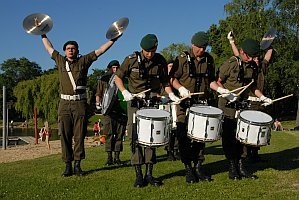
(235, 49)
(102, 49)
(48, 45)
(268, 54)
(119, 83)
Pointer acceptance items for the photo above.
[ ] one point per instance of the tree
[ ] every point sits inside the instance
(174, 50)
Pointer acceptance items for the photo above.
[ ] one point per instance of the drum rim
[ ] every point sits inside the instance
(155, 109)
(207, 115)
(254, 122)
(218, 109)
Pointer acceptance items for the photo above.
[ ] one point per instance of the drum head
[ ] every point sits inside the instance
(207, 110)
(109, 96)
(255, 116)
(153, 113)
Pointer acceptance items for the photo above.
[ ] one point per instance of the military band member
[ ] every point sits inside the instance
(115, 121)
(192, 72)
(251, 152)
(234, 73)
(144, 70)
(72, 118)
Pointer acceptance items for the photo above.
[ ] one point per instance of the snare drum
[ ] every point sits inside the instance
(204, 123)
(254, 128)
(152, 127)
(171, 108)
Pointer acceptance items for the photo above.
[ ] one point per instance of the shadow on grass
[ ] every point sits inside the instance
(284, 160)
(125, 164)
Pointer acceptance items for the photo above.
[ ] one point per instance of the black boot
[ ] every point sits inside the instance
(243, 172)
(139, 177)
(170, 156)
(233, 170)
(116, 158)
(109, 159)
(177, 154)
(200, 172)
(77, 169)
(148, 178)
(190, 177)
(68, 169)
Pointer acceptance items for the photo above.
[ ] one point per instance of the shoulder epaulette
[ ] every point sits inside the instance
(133, 55)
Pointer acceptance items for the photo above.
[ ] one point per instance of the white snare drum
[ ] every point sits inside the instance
(254, 128)
(205, 123)
(170, 107)
(152, 127)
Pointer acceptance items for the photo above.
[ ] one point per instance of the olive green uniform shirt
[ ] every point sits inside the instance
(233, 77)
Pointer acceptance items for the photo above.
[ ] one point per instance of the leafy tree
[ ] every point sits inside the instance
(174, 50)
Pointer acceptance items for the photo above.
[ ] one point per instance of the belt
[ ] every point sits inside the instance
(254, 99)
(76, 97)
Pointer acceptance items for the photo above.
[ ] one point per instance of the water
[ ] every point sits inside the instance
(14, 132)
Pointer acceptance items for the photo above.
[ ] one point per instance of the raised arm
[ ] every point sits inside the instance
(48, 45)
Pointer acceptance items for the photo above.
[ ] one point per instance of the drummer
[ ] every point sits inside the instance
(114, 122)
(234, 73)
(72, 118)
(251, 152)
(192, 72)
(145, 70)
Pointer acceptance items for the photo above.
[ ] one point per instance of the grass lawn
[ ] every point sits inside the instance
(40, 178)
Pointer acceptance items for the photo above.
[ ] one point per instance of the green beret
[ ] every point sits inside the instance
(113, 63)
(149, 42)
(251, 47)
(200, 39)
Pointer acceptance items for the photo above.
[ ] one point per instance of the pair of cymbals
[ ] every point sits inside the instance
(39, 24)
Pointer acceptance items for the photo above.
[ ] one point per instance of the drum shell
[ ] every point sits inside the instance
(152, 131)
(205, 127)
(252, 132)
(171, 108)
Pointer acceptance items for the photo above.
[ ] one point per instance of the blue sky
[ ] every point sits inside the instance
(88, 21)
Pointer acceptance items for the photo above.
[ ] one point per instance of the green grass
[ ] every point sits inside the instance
(40, 178)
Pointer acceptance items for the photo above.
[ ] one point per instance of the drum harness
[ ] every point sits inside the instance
(75, 87)
(198, 76)
(243, 104)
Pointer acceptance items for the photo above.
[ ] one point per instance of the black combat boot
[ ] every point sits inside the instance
(243, 172)
(139, 177)
(68, 169)
(116, 158)
(177, 154)
(77, 169)
(148, 178)
(170, 156)
(200, 172)
(233, 170)
(190, 176)
(109, 159)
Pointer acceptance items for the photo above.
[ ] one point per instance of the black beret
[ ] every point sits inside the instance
(70, 43)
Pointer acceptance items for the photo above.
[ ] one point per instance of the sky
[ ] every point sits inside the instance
(87, 22)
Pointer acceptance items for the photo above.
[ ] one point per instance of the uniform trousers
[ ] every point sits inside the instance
(72, 124)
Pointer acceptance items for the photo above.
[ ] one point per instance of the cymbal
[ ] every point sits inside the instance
(268, 38)
(117, 28)
(37, 24)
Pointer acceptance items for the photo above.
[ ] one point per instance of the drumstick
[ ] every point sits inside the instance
(245, 88)
(134, 95)
(220, 95)
(278, 99)
(196, 93)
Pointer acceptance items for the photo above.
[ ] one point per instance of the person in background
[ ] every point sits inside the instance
(115, 121)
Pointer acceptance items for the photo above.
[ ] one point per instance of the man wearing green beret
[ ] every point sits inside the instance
(145, 70)
(192, 72)
(115, 121)
(235, 73)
